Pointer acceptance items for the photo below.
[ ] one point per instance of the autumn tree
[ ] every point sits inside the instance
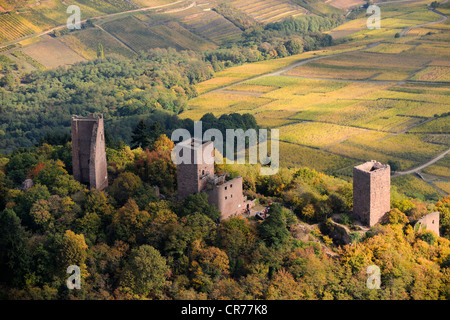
(199, 203)
(443, 206)
(72, 251)
(124, 186)
(145, 272)
(212, 260)
(130, 224)
(100, 54)
(96, 201)
(157, 167)
(238, 239)
(161, 222)
(284, 287)
(163, 143)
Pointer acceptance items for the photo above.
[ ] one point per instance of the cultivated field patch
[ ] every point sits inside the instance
(318, 135)
(269, 10)
(433, 74)
(296, 156)
(52, 53)
(415, 188)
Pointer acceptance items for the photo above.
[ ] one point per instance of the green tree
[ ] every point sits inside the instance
(124, 187)
(18, 166)
(141, 136)
(14, 255)
(394, 164)
(273, 230)
(26, 200)
(156, 130)
(8, 81)
(100, 54)
(294, 46)
(429, 237)
(199, 203)
(145, 271)
(56, 178)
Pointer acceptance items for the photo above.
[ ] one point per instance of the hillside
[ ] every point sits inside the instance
(340, 94)
(128, 232)
(125, 29)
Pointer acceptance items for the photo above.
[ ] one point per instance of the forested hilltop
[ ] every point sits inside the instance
(132, 244)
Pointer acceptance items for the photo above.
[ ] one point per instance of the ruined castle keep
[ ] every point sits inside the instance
(371, 191)
(88, 151)
(197, 175)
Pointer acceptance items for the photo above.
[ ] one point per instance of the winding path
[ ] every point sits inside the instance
(423, 166)
(444, 17)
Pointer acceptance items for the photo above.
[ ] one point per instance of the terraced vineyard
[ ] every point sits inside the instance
(210, 25)
(21, 18)
(92, 37)
(14, 26)
(269, 10)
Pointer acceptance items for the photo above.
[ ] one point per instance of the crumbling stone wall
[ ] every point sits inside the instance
(228, 197)
(430, 222)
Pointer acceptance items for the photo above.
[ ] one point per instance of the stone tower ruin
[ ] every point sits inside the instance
(429, 222)
(88, 151)
(371, 191)
(197, 175)
(191, 176)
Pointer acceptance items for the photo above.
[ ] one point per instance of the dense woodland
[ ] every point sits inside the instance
(130, 244)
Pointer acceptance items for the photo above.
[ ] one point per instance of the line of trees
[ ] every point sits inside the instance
(275, 40)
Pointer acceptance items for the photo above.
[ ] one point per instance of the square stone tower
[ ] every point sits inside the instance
(88, 151)
(371, 191)
(193, 172)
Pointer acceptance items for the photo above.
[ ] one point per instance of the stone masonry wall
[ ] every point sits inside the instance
(191, 177)
(88, 151)
(371, 192)
(228, 197)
